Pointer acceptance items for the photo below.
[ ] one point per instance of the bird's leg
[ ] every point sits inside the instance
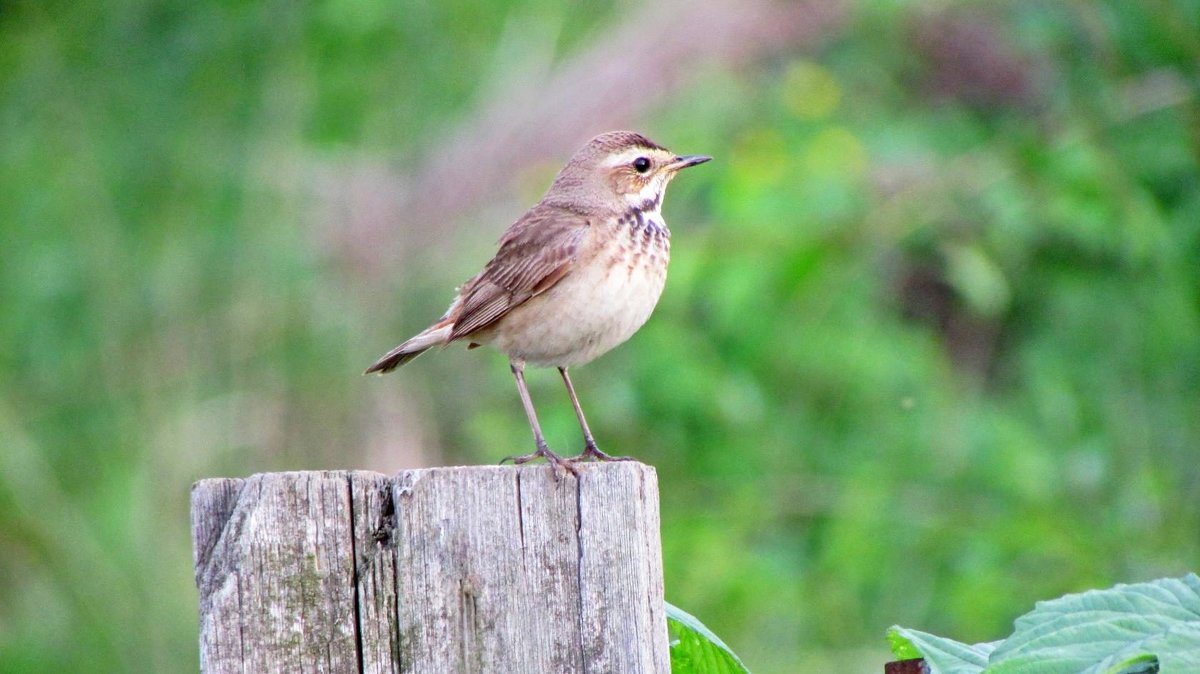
(543, 451)
(590, 449)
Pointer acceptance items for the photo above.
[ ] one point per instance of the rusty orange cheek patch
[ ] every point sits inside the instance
(627, 181)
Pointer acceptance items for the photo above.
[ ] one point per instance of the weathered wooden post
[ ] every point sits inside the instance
(435, 571)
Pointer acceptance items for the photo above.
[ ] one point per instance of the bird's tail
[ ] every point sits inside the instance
(435, 335)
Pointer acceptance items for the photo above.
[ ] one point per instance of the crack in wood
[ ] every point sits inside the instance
(429, 572)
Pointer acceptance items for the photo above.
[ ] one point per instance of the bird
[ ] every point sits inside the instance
(575, 276)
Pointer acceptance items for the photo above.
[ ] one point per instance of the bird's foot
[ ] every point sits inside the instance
(591, 451)
(560, 465)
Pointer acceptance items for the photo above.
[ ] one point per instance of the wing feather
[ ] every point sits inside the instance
(535, 253)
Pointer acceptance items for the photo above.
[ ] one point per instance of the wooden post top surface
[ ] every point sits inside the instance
(463, 569)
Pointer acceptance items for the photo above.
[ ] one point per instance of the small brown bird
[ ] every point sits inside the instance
(575, 276)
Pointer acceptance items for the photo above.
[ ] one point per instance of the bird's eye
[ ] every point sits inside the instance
(641, 164)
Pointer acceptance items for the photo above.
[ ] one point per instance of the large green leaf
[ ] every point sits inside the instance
(1122, 629)
(695, 649)
(1128, 629)
(944, 656)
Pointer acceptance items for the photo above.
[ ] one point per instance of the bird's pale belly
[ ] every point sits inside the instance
(595, 308)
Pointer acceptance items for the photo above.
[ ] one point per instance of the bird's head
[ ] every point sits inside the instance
(620, 169)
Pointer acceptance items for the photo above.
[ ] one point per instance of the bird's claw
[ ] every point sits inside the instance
(560, 464)
(591, 451)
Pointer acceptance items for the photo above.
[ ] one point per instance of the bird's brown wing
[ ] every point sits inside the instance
(536, 252)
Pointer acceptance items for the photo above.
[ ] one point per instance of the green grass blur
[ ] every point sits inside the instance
(929, 352)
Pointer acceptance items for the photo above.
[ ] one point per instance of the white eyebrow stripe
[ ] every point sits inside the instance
(628, 156)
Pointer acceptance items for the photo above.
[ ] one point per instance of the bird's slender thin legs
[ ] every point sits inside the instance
(590, 449)
(543, 451)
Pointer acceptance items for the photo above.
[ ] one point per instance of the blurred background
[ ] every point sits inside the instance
(929, 350)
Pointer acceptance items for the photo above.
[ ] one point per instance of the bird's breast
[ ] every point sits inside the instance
(609, 294)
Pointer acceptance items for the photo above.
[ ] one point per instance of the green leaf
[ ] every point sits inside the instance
(1146, 628)
(902, 646)
(944, 656)
(695, 649)
(1121, 630)
(978, 279)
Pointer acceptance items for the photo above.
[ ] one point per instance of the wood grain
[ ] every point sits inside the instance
(476, 569)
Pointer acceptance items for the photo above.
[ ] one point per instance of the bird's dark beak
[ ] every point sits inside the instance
(688, 160)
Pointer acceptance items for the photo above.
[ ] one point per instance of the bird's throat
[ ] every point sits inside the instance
(641, 219)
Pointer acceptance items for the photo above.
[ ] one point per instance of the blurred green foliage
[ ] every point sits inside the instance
(930, 349)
